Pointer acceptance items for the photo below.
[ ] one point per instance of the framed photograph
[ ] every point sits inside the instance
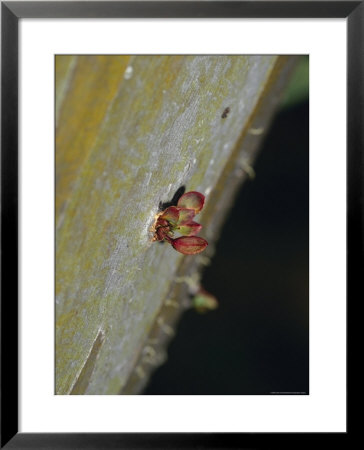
(181, 212)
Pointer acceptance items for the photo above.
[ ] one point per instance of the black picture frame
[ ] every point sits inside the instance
(11, 12)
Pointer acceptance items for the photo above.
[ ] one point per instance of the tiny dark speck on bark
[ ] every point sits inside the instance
(225, 113)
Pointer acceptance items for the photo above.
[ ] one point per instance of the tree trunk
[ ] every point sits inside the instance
(131, 130)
